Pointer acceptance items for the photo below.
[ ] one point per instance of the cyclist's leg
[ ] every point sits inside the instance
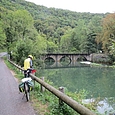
(25, 73)
(29, 71)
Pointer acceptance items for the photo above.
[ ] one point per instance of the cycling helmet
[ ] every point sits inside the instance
(30, 56)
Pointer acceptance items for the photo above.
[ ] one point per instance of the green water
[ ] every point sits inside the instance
(97, 81)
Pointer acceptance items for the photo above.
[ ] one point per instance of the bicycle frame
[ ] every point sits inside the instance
(26, 90)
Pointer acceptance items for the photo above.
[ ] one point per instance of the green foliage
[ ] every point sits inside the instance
(55, 24)
(91, 46)
(18, 25)
(22, 38)
(22, 22)
(21, 51)
(2, 37)
(51, 47)
(62, 110)
(78, 37)
(107, 35)
(65, 43)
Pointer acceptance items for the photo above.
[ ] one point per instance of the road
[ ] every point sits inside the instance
(11, 102)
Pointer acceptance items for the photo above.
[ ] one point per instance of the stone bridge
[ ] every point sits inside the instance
(74, 58)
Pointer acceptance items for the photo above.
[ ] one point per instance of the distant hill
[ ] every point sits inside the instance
(55, 23)
(43, 13)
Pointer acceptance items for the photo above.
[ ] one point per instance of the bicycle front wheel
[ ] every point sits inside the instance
(27, 92)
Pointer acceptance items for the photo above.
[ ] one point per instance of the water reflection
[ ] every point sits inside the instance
(98, 81)
(106, 106)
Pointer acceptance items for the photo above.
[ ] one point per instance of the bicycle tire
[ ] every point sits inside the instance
(26, 91)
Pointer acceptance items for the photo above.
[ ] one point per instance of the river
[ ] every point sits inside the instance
(99, 82)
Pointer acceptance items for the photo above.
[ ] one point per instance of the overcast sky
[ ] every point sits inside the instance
(92, 6)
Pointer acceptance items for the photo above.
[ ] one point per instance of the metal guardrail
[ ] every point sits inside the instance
(82, 110)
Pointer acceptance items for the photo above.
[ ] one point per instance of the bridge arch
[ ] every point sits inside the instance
(72, 57)
(49, 61)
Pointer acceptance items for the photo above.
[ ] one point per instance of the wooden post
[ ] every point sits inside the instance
(34, 81)
(42, 89)
(61, 103)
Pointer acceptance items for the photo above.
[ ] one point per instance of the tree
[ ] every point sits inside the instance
(27, 46)
(65, 43)
(79, 35)
(18, 25)
(2, 36)
(108, 32)
(93, 29)
(22, 38)
(22, 22)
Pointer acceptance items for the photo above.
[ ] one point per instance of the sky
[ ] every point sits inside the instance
(92, 6)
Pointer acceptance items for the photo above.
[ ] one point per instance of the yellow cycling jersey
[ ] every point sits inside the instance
(27, 63)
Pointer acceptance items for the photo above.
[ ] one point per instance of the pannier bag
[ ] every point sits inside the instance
(21, 87)
(30, 84)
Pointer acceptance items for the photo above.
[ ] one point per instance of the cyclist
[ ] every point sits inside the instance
(28, 65)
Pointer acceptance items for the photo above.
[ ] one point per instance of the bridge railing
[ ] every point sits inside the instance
(82, 110)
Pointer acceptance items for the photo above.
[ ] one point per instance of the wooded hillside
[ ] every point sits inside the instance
(37, 29)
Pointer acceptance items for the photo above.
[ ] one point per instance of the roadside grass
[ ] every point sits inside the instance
(48, 104)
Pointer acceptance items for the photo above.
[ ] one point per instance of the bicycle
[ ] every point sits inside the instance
(26, 88)
(27, 85)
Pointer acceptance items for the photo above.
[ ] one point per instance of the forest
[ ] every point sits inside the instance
(27, 28)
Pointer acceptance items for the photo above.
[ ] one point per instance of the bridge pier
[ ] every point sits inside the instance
(73, 58)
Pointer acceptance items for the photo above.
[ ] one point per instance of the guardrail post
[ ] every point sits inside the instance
(61, 103)
(42, 89)
(33, 81)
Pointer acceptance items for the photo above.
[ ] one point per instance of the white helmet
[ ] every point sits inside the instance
(30, 56)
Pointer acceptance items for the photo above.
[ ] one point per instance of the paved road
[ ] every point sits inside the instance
(11, 102)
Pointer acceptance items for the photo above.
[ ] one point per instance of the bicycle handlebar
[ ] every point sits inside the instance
(33, 71)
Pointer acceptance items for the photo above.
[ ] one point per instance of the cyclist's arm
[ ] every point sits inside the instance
(31, 64)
